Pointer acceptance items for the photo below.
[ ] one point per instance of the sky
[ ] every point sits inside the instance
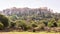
(52, 4)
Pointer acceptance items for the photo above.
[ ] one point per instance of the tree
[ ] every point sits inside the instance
(4, 20)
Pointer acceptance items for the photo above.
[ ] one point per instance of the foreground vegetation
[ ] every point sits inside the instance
(30, 23)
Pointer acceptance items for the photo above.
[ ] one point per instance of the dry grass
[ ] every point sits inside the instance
(27, 33)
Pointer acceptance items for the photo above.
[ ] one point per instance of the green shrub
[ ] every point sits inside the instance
(41, 26)
(58, 23)
(34, 25)
(4, 20)
(52, 23)
(12, 24)
(29, 27)
(22, 24)
(1, 26)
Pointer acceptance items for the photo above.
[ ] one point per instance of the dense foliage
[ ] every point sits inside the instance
(30, 23)
(4, 20)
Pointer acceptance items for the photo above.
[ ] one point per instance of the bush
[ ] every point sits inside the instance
(58, 23)
(22, 24)
(41, 26)
(1, 26)
(12, 24)
(4, 20)
(52, 23)
(34, 25)
(29, 26)
(46, 23)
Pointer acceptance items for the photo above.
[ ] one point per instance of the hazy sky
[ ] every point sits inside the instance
(52, 4)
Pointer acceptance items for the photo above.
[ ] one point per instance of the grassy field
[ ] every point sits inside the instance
(27, 33)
